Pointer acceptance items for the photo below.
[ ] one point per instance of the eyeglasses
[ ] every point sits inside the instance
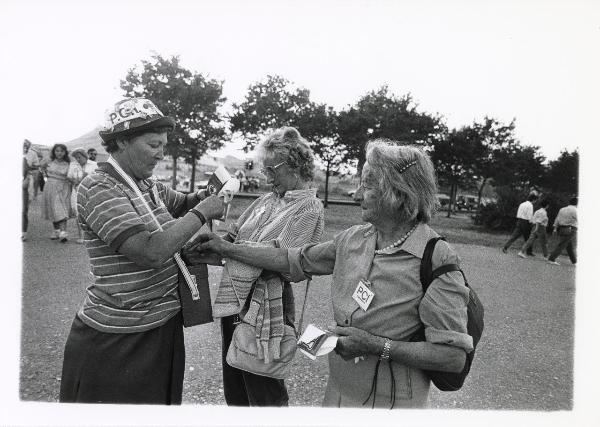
(270, 170)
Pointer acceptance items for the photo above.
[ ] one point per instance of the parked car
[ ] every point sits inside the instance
(466, 202)
(185, 185)
(443, 199)
(250, 183)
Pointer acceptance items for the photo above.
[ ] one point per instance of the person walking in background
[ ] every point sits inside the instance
(565, 226)
(56, 203)
(33, 164)
(92, 153)
(40, 179)
(523, 227)
(79, 169)
(540, 222)
(25, 219)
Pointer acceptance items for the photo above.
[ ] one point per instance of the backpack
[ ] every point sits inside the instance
(451, 381)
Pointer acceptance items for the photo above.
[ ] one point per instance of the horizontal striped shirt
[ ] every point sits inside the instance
(125, 297)
(293, 220)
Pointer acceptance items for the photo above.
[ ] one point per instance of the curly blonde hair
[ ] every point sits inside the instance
(291, 146)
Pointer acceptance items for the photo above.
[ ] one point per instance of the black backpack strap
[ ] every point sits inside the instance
(427, 275)
(426, 268)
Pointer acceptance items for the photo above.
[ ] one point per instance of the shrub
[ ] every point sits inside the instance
(501, 215)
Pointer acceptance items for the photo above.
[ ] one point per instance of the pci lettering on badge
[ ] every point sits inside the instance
(363, 295)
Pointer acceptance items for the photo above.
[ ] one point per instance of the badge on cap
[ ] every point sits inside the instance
(129, 109)
(363, 295)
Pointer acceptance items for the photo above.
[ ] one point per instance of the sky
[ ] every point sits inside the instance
(530, 60)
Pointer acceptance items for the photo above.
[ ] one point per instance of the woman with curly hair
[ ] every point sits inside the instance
(56, 204)
(291, 215)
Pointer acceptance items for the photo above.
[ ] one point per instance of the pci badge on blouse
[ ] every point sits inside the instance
(363, 295)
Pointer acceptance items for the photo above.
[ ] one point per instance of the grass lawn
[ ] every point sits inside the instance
(459, 228)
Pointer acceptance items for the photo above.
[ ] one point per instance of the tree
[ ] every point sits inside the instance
(519, 167)
(562, 173)
(381, 114)
(494, 137)
(318, 124)
(269, 104)
(276, 102)
(190, 98)
(455, 156)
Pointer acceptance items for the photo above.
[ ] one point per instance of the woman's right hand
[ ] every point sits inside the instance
(212, 207)
(209, 242)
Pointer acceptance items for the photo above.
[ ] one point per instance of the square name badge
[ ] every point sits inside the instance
(363, 295)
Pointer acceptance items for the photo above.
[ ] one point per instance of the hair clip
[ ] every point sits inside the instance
(407, 166)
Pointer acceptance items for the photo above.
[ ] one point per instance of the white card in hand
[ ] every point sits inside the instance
(316, 342)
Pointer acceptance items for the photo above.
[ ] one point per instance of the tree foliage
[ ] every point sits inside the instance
(381, 114)
(319, 123)
(269, 104)
(493, 138)
(455, 157)
(562, 174)
(190, 98)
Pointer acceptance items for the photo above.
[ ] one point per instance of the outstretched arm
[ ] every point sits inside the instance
(274, 259)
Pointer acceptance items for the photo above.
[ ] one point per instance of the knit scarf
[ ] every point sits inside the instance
(266, 307)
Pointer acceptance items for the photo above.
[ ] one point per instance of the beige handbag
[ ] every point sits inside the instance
(243, 350)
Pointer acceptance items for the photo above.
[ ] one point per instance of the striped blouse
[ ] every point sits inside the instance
(292, 220)
(125, 297)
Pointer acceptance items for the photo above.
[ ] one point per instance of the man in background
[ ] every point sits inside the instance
(523, 227)
(91, 154)
(565, 226)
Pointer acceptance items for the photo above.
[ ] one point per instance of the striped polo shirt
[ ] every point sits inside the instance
(124, 296)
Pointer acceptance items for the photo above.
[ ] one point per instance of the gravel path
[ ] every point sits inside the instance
(524, 360)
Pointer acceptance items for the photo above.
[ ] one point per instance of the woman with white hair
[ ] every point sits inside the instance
(79, 169)
(397, 196)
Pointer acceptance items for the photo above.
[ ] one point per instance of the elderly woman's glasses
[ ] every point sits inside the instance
(270, 170)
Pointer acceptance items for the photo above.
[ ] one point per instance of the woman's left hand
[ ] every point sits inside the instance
(354, 342)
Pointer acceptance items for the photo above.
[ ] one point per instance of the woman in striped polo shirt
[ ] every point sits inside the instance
(126, 342)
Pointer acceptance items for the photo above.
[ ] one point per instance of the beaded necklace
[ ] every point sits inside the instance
(397, 243)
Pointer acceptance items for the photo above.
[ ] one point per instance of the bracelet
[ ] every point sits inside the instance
(199, 215)
(387, 346)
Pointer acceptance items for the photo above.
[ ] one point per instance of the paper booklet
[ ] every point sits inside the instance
(316, 342)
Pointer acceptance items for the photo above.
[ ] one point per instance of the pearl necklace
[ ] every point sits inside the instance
(397, 243)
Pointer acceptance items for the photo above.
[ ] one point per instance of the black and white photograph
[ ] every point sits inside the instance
(360, 212)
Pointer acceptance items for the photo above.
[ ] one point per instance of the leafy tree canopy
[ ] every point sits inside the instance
(190, 98)
(381, 114)
(269, 104)
(562, 175)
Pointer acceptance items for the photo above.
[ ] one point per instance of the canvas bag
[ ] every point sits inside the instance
(243, 350)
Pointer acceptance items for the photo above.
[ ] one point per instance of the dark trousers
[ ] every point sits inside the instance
(140, 367)
(243, 388)
(25, 220)
(523, 228)
(567, 240)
